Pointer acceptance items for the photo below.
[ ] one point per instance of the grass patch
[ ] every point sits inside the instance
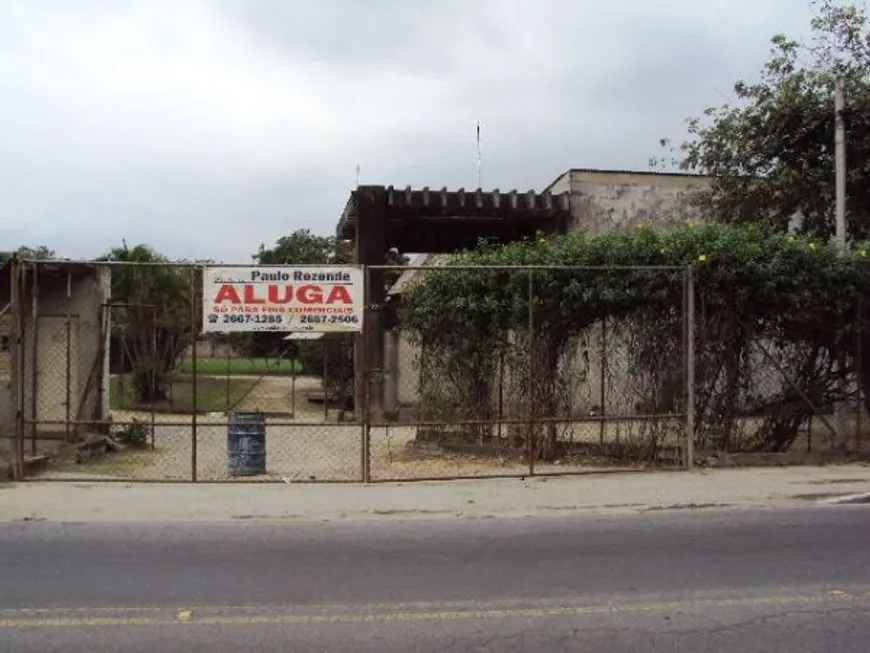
(241, 366)
(213, 394)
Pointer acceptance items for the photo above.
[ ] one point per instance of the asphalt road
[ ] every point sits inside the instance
(743, 581)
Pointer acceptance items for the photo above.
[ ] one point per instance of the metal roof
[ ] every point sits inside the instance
(429, 220)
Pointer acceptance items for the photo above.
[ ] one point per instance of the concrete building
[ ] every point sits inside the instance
(57, 372)
(603, 200)
(378, 218)
(600, 201)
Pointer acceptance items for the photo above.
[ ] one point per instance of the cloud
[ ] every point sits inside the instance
(207, 127)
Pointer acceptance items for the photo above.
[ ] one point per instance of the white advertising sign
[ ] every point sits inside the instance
(324, 299)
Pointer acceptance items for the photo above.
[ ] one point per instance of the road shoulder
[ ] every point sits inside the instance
(605, 493)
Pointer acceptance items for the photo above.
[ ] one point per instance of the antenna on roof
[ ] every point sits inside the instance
(479, 161)
(357, 175)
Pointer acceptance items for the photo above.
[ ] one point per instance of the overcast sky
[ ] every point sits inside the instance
(204, 127)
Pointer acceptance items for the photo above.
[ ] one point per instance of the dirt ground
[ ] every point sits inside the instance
(306, 447)
(301, 451)
(312, 446)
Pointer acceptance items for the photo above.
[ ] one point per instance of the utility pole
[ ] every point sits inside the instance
(479, 159)
(840, 163)
(840, 235)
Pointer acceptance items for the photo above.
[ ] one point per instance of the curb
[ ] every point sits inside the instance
(847, 499)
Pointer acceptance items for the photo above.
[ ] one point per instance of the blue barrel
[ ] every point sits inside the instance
(246, 443)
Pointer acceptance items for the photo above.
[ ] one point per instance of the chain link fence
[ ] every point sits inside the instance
(764, 388)
(116, 382)
(7, 379)
(476, 372)
(491, 372)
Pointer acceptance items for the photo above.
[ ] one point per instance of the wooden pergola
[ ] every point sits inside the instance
(379, 218)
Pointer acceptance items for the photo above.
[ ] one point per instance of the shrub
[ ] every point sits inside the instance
(136, 434)
(759, 295)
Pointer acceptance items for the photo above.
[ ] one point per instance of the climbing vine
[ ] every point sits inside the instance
(773, 311)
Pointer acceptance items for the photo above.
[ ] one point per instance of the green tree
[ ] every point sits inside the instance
(152, 313)
(303, 248)
(758, 289)
(40, 252)
(770, 152)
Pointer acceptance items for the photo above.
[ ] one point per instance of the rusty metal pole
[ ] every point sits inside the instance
(682, 447)
(228, 370)
(421, 388)
(367, 379)
(325, 396)
(859, 355)
(194, 372)
(153, 372)
(602, 384)
(17, 369)
(530, 445)
(689, 307)
(122, 364)
(501, 393)
(841, 437)
(34, 375)
(68, 354)
(169, 396)
(293, 389)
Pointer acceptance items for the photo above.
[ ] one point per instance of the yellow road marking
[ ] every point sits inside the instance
(74, 610)
(306, 615)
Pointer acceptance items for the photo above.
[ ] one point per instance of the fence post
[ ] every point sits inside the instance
(34, 363)
(531, 436)
(859, 365)
(293, 388)
(501, 391)
(421, 388)
(68, 370)
(602, 383)
(363, 411)
(17, 369)
(121, 362)
(228, 386)
(325, 372)
(194, 371)
(153, 375)
(690, 367)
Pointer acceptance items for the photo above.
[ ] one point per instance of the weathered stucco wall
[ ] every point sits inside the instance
(605, 200)
(79, 349)
(602, 379)
(601, 201)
